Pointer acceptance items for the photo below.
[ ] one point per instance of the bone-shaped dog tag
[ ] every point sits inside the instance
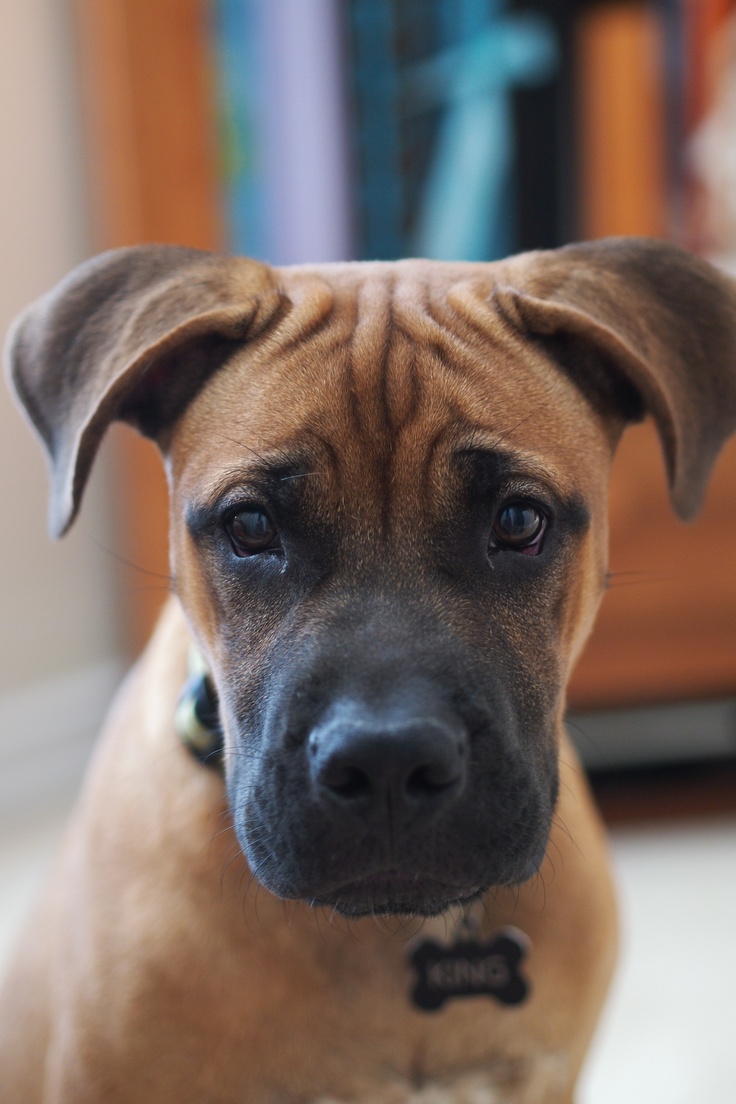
(469, 968)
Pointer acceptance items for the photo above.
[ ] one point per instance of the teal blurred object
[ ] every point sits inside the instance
(432, 122)
(239, 79)
(378, 133)
(466, 210)
(453, 104)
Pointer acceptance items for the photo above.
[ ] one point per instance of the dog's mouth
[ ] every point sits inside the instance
(392, 893)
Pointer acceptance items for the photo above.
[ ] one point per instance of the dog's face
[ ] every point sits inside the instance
(388, 522)
(389, 581)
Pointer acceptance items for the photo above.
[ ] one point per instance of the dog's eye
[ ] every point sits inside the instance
(251, 531)
(520, 526)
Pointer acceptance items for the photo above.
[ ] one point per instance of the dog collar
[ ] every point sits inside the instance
(197, 715)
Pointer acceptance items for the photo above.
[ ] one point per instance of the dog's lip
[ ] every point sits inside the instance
(395, 891)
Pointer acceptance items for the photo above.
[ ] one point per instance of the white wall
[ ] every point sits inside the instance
(57, 601)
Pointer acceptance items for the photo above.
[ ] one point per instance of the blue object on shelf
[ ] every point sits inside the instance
(239, 77)
(433, 82)
(466, 211)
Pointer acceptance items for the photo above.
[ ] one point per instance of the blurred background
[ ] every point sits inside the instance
(316, 130)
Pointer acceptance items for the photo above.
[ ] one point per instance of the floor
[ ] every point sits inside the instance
(669, 1033)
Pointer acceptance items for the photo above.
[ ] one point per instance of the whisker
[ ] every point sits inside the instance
(129, 563)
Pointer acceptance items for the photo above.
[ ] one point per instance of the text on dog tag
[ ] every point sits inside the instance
(469, 968)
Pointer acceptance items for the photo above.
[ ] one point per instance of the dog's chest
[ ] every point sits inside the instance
(543, 1080)
(474, 1089)
(368, 1040)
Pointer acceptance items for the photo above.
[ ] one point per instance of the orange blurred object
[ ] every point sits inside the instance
(149, 105)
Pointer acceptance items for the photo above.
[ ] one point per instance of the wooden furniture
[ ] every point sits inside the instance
(148, 103)
(621, 121)
(667, 627)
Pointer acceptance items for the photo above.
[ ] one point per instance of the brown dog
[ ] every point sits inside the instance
(388, 519)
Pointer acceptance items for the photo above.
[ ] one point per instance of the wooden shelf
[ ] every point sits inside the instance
(667, 628)
(149, 105)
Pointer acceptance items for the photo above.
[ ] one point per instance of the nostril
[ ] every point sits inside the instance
(431, 778)
(349, 783)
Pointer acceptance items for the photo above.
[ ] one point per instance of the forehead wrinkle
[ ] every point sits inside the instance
(396, 342)
(310, 312)
(368, 357)
(433, 316)
(385, 322)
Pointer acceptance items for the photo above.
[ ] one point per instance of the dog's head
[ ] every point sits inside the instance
(388, 489)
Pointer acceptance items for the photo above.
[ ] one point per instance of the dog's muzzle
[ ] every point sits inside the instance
(401, 806)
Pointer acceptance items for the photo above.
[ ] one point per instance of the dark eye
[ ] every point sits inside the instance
(251, 531)
(520, 526)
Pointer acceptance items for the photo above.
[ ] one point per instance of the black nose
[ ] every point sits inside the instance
(389, 770)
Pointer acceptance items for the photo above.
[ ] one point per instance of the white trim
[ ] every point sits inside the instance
(47, 731)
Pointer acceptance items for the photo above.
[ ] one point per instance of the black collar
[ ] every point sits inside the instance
(197, 719)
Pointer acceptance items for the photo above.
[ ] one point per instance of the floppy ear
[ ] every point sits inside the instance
(99, 345)
(652, 327)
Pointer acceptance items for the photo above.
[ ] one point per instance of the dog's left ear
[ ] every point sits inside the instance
(649, 324)
(129, 335)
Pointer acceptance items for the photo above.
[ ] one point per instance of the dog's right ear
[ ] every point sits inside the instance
(130, 335)
(647, 327)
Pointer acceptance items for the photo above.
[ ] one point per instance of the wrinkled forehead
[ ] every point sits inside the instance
(373, 365)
